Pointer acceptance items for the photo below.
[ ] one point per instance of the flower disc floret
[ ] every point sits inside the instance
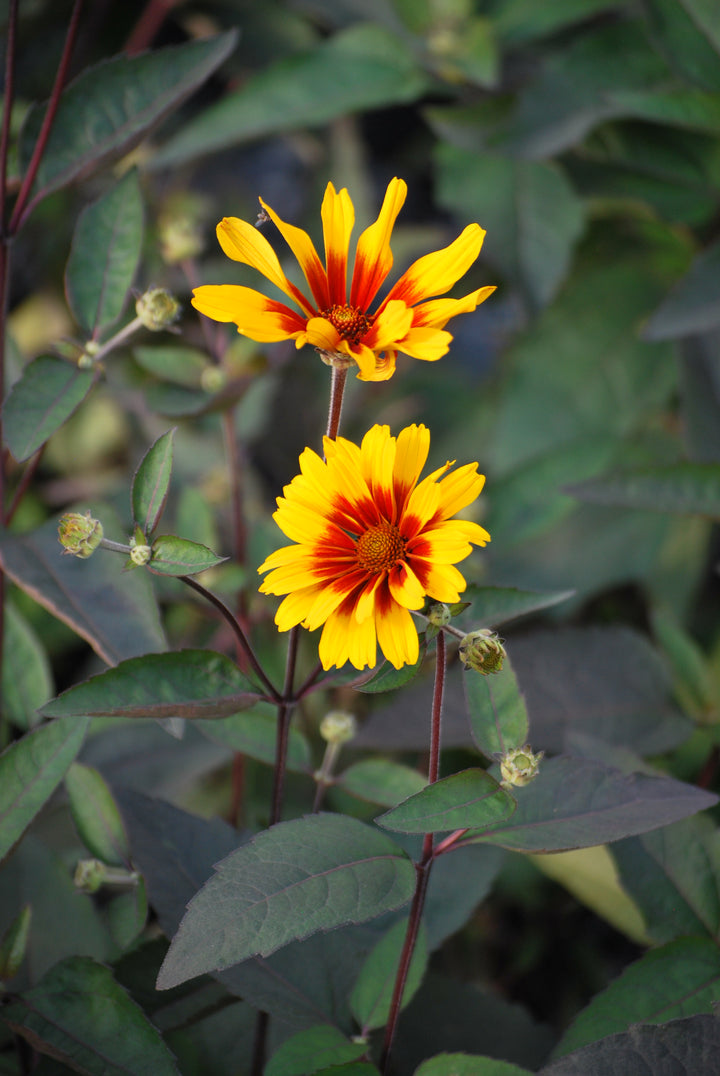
(371, 542)
(338, 311)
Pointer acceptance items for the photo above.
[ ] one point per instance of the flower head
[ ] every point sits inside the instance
(371, 543)
(346, 325)
(80, 535)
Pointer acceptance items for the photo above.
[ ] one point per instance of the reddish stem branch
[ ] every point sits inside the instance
(148, 25)
(9, 94)
(337, 392)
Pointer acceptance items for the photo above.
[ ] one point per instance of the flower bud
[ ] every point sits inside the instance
(439, 615)
(213, 379)
(89, 875)
(483, 651)
(157, 309)
(140, 554)
(520, 766)
(338, 727)
(80, 535)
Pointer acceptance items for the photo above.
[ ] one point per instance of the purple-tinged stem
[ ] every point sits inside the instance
(285, 710)
(337, 391)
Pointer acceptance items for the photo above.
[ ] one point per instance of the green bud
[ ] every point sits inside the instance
(338, 727)
(213, 379)
(519, 767)
(79, 535)
(140, 554)
(89, 875)
(439, 615)
(157, 309)
(483, 651)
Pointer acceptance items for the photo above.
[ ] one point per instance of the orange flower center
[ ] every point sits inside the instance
(349, 321)
(380, 547)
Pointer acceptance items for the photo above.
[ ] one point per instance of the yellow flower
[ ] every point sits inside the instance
(342, 325)
(371, 543)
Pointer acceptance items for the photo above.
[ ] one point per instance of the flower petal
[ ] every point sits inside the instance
(460, 488)
(405, 587)
(389, 327)
(437, 312)
(396, 634)
(256, 316)
(436, 273)
(307, 258)
(244, 243)
(338, 217)
(373, 257)
(411, 452)
(426, 344)
(343, 639)
(319, 332)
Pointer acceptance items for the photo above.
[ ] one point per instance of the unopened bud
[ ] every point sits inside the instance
(181, 238)
(483, 651)
(157, 309)
(338, 727)
(140, 553)
(213, 379)
(89, 875)
(439, 615)
(520, 766)
(80, 535)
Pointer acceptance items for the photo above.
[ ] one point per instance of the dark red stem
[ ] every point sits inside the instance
(337, 391)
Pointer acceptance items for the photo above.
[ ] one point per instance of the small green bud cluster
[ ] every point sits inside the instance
(80, 535)
(337, 727)
(157, 309)
(483, 651)
(520, 766)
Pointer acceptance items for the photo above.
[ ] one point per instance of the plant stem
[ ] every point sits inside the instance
(22, 209)
(285, 710)
(237, 631)
(148, 25)
(337, 391)
(422, 868)
(9, 93)
(22, 486)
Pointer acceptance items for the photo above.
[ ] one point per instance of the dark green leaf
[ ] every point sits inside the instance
(379, 780)
(179, 365)
(700, 397)
(26, 677)
(96, 816)
(576, 803)
(41, 401)
(30, 771)
(704, 15)
(378, 69)
(185, 683)
(312, 1050)
(126, 915)
(465, 1065)
(178, 556)
(78, 1014)
(693, 682)
(693, 305)
(678, 32)
(314, 873)
(532, 215)
(498, 716)
(464, 800)
(254, 733)
(176, 401)
(679, 979)
(110, 107)
(520, 21)
(680, 1048)
(492, 606)
(673, 876)
(683, 488)
(115, 612)
(151, 483)
(372, 994)
(388, 678)
(104, 256)
(13, 945)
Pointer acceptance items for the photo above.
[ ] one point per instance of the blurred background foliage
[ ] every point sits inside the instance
(584, 135)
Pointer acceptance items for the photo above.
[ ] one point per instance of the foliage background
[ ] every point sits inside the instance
(583, 135)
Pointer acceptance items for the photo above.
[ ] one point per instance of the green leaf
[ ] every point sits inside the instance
(104, 256)
(78, 1014)
(30, 771)
(13, 944)
(673, 875)
(679, 979)
(704, 15)
(185, 683)
(689, 1046)
(576, 803)
(96, 816)
(26, 676)
(498, 716)
(682, 488)
(109, 108)
(178, 556)
(388, 678)
(521, 21)
(46, 395)
(465, 1065)
(492, 606)
(533, 216)
(254, 733)
(314, 873)
(151, 483)
(114, 611)
(692, 306)
(464, 800)
(678, 32)
(372, 994)
(378, 780)
(378, 70)
(179, 365)
(126, 915)
(312, 1050)
(693, 682)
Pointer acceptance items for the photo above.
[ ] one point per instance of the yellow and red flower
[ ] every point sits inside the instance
(343, 324)
(371, 542)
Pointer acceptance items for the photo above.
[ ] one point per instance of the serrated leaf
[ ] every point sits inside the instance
(107, 110)
(576, 803)
(372, 994)
(178, 556)
(464, 800)
(79, 1014)
(104, 255)
(496, 706)
(298, 877)
(679, 979)
(26, 676)
(492, 606)
(30, 771)
(379, 780)
(47, 394)
(185, 683)
(254, 733)
(465, 1065)
(312, 1050)
(123, 622)
(151, 483)
(96, 816)
(378, 70)
(681, 488)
